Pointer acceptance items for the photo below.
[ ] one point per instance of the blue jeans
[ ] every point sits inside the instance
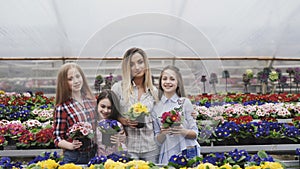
(190, 152)
(78, 157)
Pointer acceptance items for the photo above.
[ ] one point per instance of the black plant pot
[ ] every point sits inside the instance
(141, 121)
(11, 144)
(86, 142)
(226, 142)
(283, 141)
(261, 141)
(247, 141)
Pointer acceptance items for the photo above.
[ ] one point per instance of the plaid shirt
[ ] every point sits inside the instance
(70, 112)
(139, 140)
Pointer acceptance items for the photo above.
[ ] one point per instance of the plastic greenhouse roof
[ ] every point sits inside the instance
(167, 28)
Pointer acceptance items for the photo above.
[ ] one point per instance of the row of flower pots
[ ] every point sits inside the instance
(235, 159)
(26, 119)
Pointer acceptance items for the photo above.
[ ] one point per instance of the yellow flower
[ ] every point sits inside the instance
(137, 164)
(236, 167)
(139, 108)
(206, 166)
(136, 110)
(271, 165)
(2, 92)
(273, 76)
(226, 166)
(70, 166)
(96, 166)
(249, 73)
(110, 164)
(48, 164)
(253, 167)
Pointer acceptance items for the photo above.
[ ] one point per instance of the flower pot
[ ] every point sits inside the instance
(11, 144)
(141, 121)
(106, 139)
(86, 142)
(283, 141)
(262, 141)
(175, 124)
(226, 142)
(246, 141)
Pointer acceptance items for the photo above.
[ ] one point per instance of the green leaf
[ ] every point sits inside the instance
(128, 167)
(99, 166)
(241, 159)
(236, 167)
(262, 154)
(166, 125)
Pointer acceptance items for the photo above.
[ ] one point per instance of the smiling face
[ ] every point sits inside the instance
(137, 65)
(75, 80)
(104, 108)
(169, 82)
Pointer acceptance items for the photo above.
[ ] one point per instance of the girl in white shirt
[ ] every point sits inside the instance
(179, 139)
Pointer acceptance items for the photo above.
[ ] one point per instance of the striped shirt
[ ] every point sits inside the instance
(139, 140)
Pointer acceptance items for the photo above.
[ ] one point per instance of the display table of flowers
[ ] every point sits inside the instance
(248, 119)
(26, 121)
(249, 122)
(236, 159)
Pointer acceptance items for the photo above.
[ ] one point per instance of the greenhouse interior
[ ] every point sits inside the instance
(239, 61)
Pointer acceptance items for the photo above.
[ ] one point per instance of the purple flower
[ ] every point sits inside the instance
(297, 78)
(297, 70)
(298, 151)
(282, 79)
(290, 71)
(278, 70)
(121, 156)
(177, 161)
(109, 126)
(97, 160)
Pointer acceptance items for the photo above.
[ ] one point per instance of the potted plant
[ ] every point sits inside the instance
(108, 128)
(83, 132)
(138, 112)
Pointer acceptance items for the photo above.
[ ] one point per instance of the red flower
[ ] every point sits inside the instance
(170, 118)
(2, 139)
(3, 130)
(44, 136)
(26, 139)
(175, 118)
(241, 119)
(269, 119)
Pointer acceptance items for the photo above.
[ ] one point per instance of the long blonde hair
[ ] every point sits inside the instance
(127, 86)
(63, 93)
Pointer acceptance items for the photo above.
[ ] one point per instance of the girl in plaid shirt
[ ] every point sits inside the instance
(74, 103)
